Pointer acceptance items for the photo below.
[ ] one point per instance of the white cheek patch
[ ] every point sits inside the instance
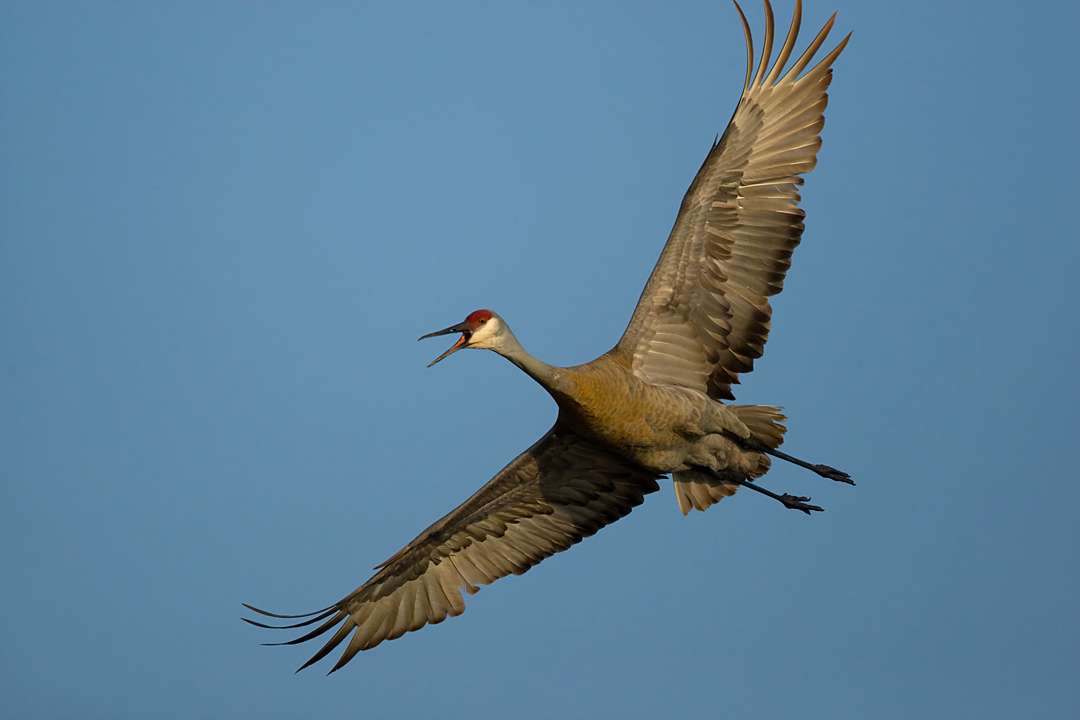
(485, 334)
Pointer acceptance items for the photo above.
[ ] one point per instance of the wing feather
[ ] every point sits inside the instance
(704, 315)
(559, 491)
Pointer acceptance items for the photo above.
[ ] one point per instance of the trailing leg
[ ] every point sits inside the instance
(794, 502)
(822, 470)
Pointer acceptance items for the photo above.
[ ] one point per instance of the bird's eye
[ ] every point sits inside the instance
(483, 320)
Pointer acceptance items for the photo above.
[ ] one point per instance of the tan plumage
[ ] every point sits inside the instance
(648, 407)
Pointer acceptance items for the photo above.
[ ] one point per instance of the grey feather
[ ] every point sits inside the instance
(704, 315)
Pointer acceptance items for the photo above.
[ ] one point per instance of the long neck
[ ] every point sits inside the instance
(552, 378)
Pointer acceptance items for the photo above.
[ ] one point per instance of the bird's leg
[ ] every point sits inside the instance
(790, 501)
(822, 470)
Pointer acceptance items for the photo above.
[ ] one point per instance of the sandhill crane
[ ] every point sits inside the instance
(651, 405)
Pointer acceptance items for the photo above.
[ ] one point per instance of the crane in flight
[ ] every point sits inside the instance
(651, 405)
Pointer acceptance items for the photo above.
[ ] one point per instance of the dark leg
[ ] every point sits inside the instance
(791, 501)
(822, 470)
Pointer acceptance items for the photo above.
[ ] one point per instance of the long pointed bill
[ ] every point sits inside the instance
(462, 328)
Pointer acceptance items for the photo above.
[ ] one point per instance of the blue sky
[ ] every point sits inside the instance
(224, 225)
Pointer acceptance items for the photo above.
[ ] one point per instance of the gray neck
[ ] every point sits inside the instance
(552, 378)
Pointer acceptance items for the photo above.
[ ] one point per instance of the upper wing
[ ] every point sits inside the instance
(704, 314)
(557, 492)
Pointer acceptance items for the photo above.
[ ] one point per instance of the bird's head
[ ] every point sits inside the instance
(482, 329)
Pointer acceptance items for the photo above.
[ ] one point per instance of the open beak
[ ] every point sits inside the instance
(462, 328)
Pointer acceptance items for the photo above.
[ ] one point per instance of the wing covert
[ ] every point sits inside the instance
(704, 315)
(557, 492)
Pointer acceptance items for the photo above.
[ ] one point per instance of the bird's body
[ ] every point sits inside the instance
(665, 428)
(653, 404)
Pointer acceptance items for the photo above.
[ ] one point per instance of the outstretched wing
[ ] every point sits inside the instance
(704, 314)
(557, 492)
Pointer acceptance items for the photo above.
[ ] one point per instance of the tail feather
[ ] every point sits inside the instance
(699, 489)
(763, 421)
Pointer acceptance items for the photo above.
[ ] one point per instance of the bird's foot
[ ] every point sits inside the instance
(833, 474)
(796, 502)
